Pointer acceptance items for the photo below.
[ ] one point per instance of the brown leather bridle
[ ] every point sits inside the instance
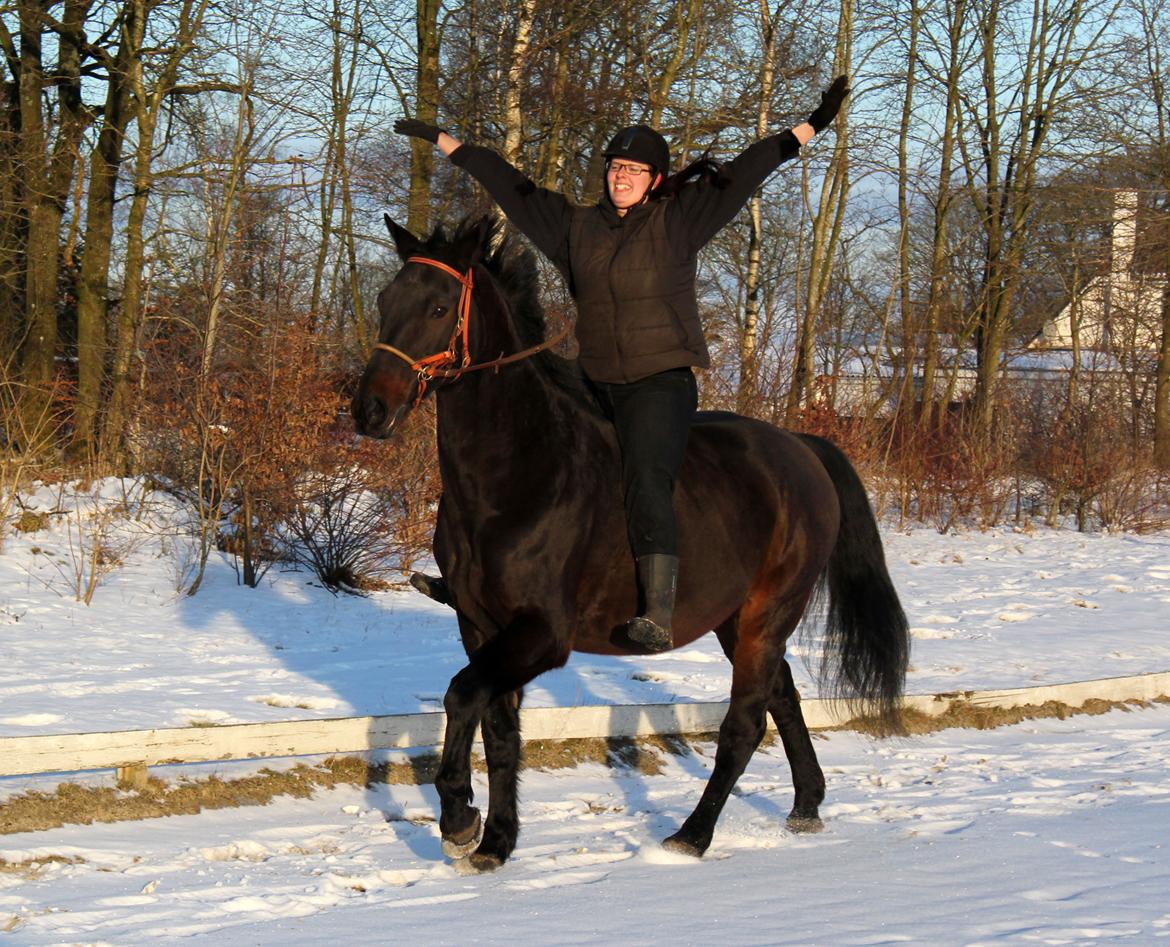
(448, 363)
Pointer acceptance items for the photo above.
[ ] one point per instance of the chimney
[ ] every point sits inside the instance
(1125, 207)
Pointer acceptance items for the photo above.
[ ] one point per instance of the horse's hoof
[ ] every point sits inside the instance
(805, 825)
(682, 847)
(476, 864)
(460, 845)
(484, 863)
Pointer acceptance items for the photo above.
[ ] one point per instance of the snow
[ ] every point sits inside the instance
(1045, 832)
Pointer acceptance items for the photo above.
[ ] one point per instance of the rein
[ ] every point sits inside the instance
(440, 364)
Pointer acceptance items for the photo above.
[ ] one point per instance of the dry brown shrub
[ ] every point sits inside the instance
(1087, 461)
(950, 474)
(264, 453)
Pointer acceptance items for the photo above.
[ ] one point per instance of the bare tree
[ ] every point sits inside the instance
(40, 148)
(151, 79)
(105, 163)
(1151, 144)
(426, 109)
(770, 27)
(1030, 61)
(827, 220)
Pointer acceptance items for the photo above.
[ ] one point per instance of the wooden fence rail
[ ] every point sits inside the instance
(129, 750)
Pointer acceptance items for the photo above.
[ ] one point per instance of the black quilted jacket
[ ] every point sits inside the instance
(633, 277)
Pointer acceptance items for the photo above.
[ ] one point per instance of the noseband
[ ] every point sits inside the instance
(448, 363)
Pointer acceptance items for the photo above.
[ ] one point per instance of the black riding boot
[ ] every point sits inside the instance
(658, 578)
(433, 587)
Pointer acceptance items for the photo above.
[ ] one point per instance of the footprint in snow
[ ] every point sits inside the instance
(559, 880)
(927, 634)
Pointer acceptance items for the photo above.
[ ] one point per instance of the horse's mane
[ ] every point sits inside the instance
(513, 266)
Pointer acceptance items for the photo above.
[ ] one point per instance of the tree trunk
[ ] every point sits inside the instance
(42, 217)
(747, 394)
(1002, 173)
(553, 158)
(826, 232)
(93, 284)
(1162, 388)
(514, 90)
(146, 106)
(221, 222)
(43, 187)
(942, 209)
(907, 317)
(426, 109)
(686, 14)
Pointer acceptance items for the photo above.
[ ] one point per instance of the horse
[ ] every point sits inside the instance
(531, 540)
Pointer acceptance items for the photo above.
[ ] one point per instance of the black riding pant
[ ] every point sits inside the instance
(653, 420)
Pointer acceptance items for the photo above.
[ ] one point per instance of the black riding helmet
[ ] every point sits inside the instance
(641, 143)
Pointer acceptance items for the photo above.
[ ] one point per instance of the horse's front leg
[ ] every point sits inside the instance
(503, 665)
(501, 747)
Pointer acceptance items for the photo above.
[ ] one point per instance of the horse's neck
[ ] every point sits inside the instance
(493, 421)
(490, 420)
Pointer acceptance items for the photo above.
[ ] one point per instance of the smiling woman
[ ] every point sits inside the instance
(630, 263)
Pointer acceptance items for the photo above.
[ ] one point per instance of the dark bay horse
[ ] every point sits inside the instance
(531, 537)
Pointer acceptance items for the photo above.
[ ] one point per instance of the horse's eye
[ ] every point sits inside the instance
(439, 311)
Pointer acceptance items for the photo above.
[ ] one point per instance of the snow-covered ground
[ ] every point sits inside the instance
(1049, 832)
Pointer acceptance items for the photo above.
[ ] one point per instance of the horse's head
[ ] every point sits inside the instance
(423, 337)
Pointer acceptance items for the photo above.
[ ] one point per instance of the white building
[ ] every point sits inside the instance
(1122, 308)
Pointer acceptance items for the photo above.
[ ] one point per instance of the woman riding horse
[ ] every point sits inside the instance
(630, 263)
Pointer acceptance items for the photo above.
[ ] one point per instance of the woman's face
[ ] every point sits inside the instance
(628, 182)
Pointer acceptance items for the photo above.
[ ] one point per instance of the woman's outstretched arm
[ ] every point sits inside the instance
(540, 214)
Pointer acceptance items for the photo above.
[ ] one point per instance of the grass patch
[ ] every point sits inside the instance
(31, 521)
(32, 867)
(73, 804)
(964, 714)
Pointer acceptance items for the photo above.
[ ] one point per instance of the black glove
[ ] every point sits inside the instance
(831, 100)
(417, 129)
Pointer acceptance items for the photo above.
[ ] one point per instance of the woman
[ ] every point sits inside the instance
(630, 263)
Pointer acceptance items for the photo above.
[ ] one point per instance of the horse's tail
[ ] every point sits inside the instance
(867, 638)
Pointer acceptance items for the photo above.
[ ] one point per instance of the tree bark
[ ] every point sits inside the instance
(1162, 386)
(907, 317)
(93, 300)
(943, 200)
(747, 395)
(826, 232)
(426, 109)
(146, 104)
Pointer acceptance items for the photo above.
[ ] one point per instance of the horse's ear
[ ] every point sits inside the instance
(472, 244)
(407, 243)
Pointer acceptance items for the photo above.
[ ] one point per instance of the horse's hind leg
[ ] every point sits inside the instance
(808, 779)
(758, 653)
(501, 747)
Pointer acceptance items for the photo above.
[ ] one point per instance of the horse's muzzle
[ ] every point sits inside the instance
(372, 417)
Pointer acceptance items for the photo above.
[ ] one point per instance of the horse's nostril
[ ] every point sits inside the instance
(369, 412)
(374, 412)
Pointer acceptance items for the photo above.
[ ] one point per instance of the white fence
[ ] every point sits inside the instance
(131, 750)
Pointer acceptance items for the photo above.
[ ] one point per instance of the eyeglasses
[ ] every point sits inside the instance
(633, 170)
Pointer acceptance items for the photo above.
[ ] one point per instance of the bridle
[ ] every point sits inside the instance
(449, 363)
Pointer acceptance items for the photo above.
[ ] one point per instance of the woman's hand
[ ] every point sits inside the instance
(416, 129)
(432, 133)
(831, 100)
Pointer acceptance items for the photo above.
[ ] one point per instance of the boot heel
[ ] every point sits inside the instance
(651, 636)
